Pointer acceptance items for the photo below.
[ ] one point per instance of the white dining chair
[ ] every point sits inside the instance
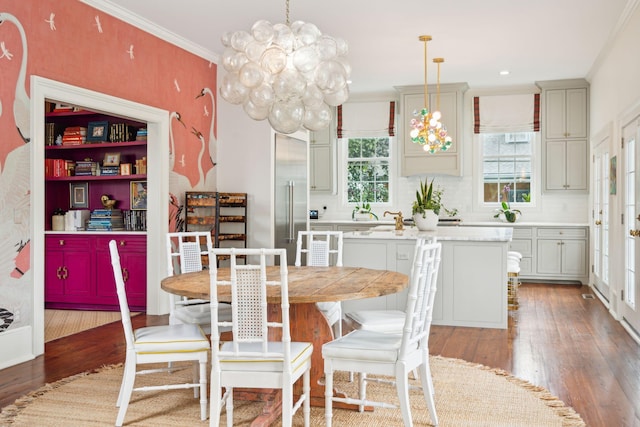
(322, 249)
(383, 320)
(186, 252)
(252, 359)
(391, 354)
(158, 344)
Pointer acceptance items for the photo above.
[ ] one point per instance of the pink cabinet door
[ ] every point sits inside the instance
(68, 269)
(133, 260)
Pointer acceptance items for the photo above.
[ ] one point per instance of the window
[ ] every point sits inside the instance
(507, 160)
(368, 170)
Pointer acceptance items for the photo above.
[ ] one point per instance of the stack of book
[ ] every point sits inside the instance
(141, 135)
(105, 220)
(85, 168)
(74, 135)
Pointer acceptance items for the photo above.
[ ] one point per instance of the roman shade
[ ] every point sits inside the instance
(366, 119)
(506, 113)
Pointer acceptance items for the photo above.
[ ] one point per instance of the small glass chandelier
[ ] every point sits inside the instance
(426, 128)
(288, 74)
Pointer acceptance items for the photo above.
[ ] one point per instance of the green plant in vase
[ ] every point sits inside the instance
(511, 215)
(427, 198)
(365, 209)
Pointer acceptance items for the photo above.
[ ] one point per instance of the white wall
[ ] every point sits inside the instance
(615, 91)
(245, 165)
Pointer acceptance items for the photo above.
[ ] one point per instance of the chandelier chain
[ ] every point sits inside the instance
(287, 13)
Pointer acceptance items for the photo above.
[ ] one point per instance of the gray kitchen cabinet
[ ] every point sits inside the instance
(566, 165)
(322, 160)
(562, 253)
(414, 160)
(565, 135)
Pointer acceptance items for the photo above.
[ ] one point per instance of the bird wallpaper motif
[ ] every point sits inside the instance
(71, 42)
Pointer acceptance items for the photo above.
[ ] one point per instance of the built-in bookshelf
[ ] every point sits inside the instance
(89, 155)
(95, 185)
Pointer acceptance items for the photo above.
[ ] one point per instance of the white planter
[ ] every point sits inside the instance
(427, 223)
(363, 216)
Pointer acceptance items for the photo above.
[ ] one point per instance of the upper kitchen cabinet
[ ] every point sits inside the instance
(322, 158)
(565, 134)
(416, 161)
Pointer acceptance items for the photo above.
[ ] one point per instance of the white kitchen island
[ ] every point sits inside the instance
(472, 281)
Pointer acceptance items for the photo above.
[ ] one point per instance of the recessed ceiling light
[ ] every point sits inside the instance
(504, 72)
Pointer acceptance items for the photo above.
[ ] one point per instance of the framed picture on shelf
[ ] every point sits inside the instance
(79, 195)
(125, 168)
(138, 195)
(111, 159)
(97, 131)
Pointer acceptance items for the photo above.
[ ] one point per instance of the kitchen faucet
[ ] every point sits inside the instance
(397, 217)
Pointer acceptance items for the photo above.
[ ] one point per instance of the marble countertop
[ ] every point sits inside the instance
(477, 234)
(462, 223)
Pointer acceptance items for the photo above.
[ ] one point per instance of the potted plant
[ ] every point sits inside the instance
(426, 207)
(506, 213)
(363, 212)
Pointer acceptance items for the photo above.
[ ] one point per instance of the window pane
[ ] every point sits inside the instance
(507, 167)
(354, 148)
(368, 147)
(491, 192)
(368, 170)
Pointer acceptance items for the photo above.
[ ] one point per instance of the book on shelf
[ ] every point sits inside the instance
(50, 133)
(107, 212)
(55, 168)
(110, 170)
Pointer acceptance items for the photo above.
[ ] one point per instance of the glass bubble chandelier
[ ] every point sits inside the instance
(288, 74)
(426, 128)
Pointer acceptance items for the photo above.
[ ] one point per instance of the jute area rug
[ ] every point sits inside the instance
(466, 395)
(61, 323)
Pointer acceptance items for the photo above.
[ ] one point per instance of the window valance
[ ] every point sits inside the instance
(506, 113)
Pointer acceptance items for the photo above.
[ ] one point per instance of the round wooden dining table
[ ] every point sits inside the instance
(307, 286)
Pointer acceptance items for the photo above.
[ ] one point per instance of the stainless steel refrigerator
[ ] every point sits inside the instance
(291, 206)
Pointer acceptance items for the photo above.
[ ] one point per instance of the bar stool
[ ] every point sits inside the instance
(513, 279)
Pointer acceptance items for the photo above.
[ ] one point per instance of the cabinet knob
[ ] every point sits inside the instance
(598, 222)
(123, 242)
(61, 242)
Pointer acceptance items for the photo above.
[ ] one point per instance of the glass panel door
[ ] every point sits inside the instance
(630, 307)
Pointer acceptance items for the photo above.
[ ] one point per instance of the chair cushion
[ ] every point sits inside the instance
(379, 320)
(513, 267)
(300, 353)
(365, 346)
(170, 339)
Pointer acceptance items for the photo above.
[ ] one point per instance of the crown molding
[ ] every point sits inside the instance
(623, 20)
(144, 24)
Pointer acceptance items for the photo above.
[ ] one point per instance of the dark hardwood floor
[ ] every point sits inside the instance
(556, 339)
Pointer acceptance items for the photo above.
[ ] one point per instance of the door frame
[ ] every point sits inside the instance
(602, 140)
(158, 197)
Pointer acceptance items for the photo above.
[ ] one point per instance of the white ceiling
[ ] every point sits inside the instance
(534, 40)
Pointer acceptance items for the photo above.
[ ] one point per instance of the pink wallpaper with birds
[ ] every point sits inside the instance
(71, 42)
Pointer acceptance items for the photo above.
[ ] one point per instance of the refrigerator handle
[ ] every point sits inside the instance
(291, 238)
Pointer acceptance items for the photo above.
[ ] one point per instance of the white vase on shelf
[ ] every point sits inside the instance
(427, 221)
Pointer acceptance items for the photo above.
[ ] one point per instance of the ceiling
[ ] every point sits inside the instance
(534, 40)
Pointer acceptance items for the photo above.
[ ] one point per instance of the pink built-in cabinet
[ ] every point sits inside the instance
(78, 271)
